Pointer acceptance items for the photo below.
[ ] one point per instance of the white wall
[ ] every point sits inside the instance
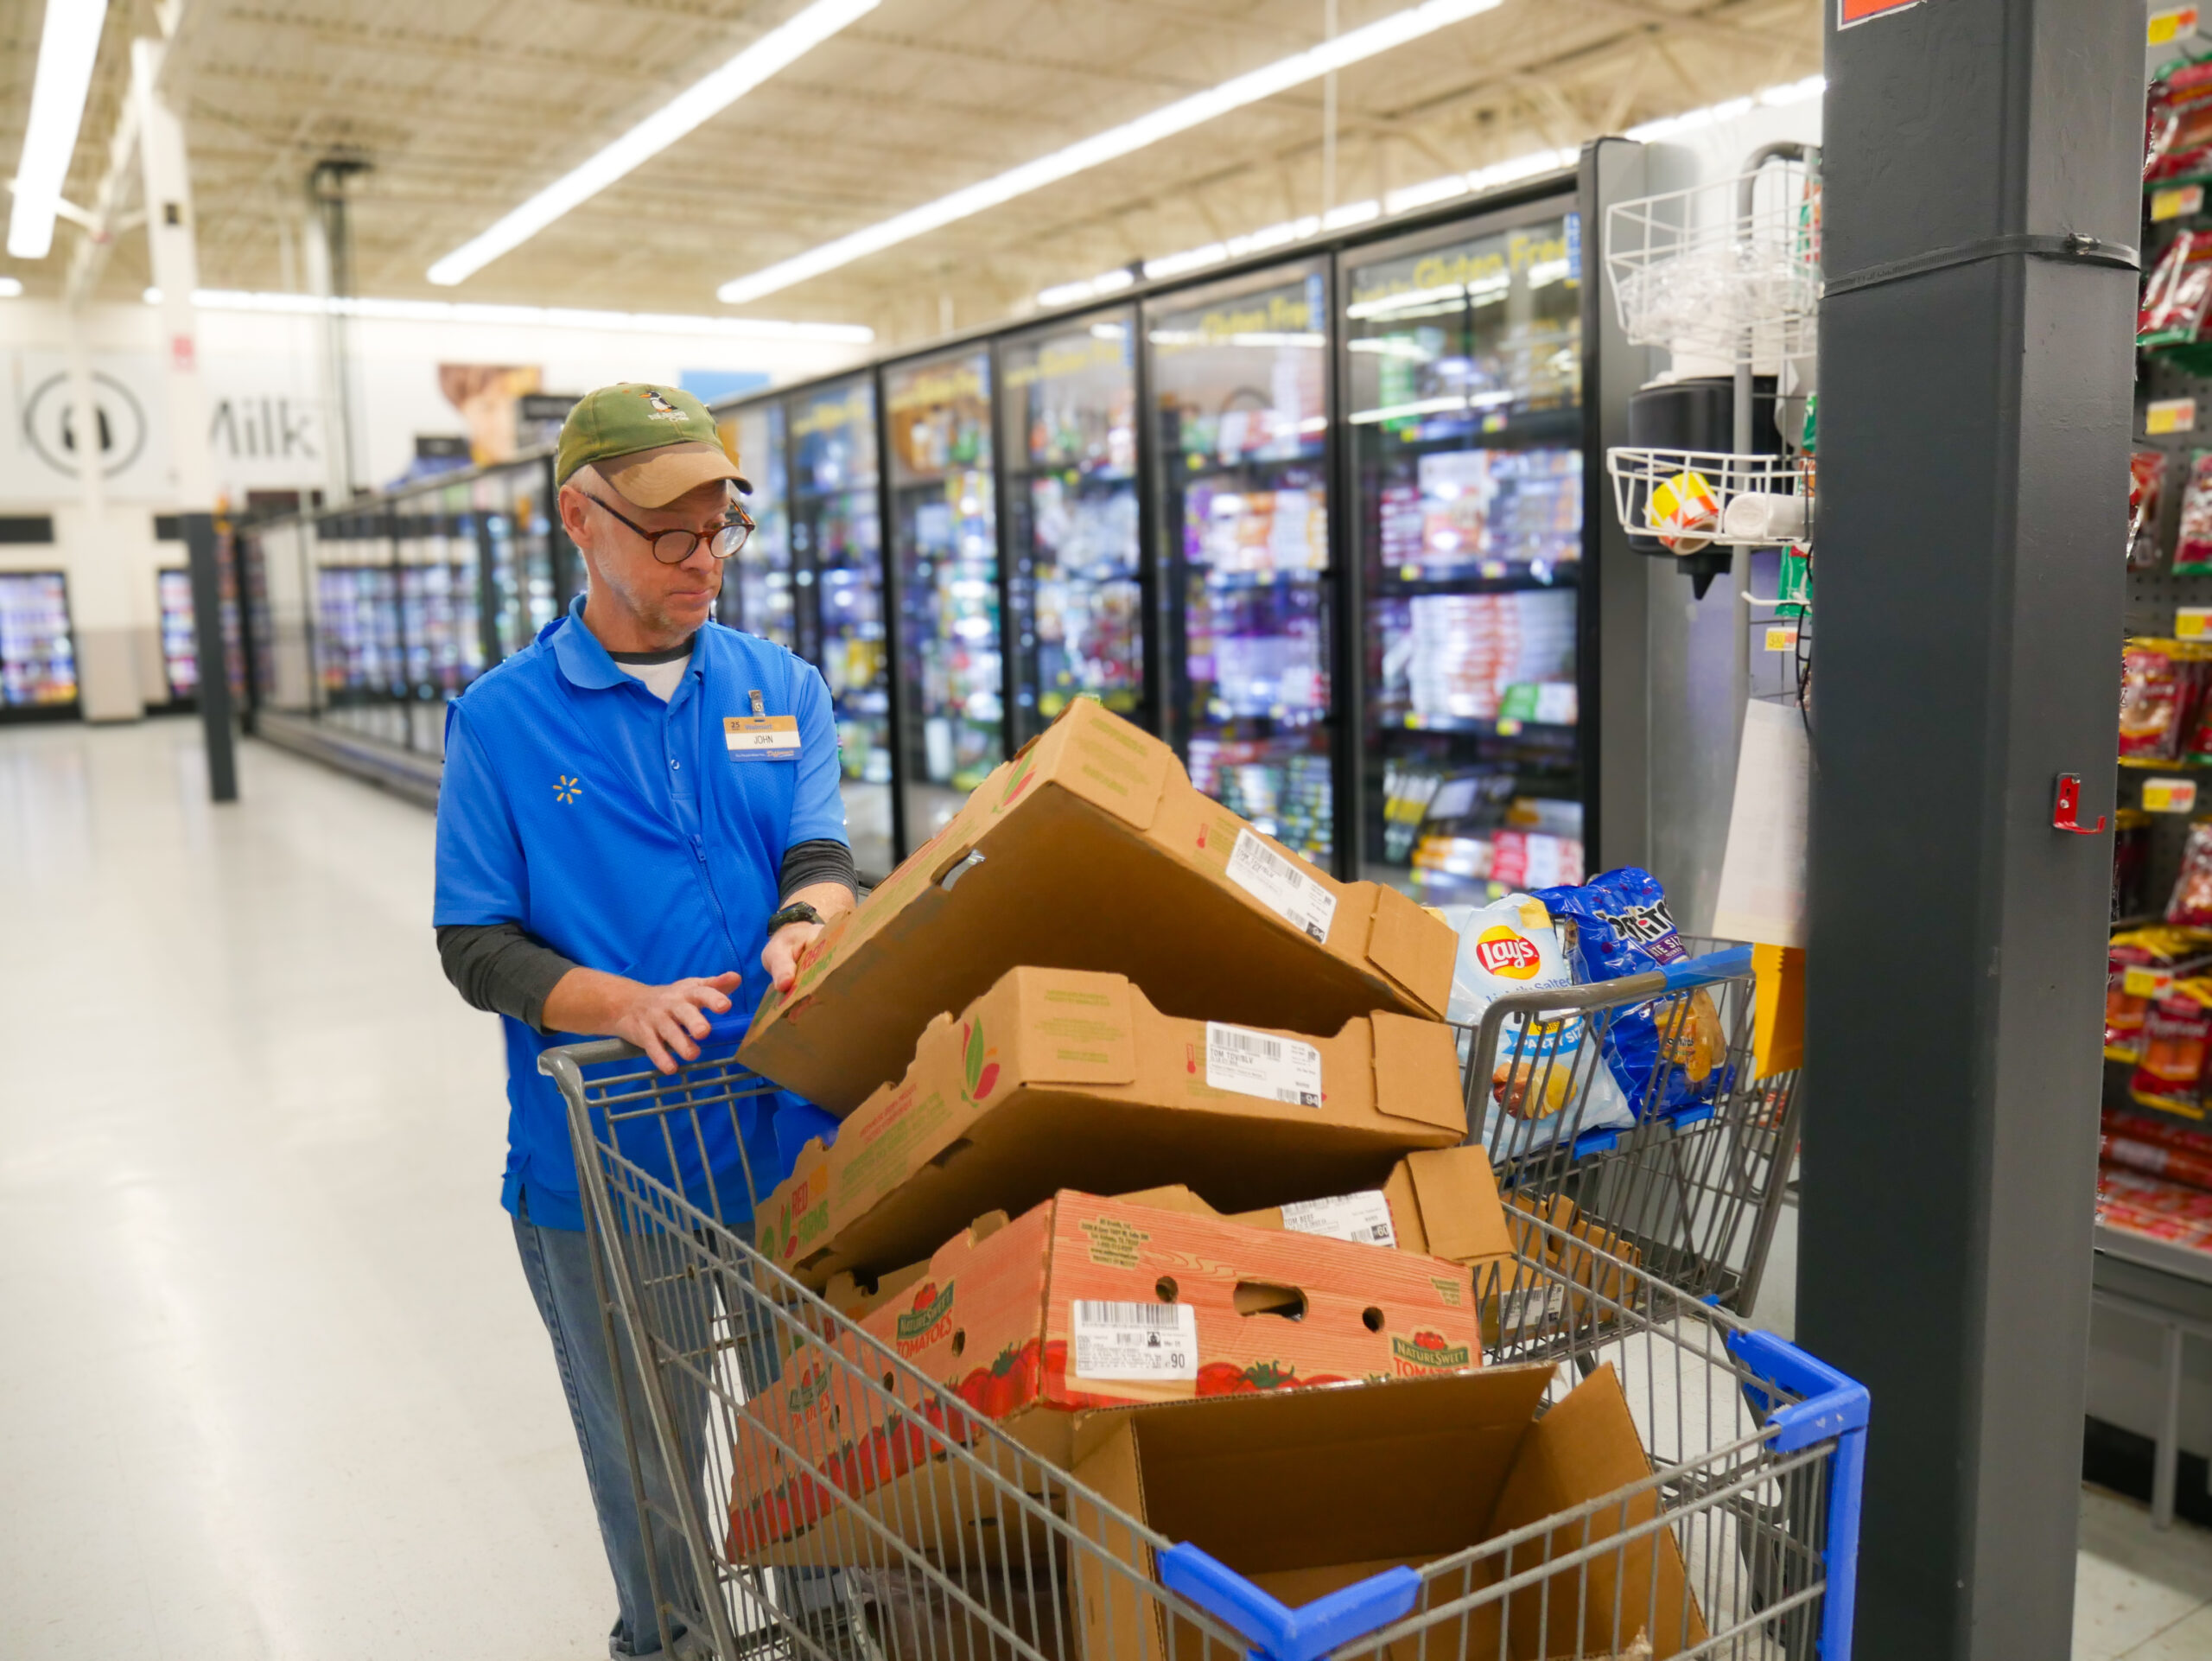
(263, 380)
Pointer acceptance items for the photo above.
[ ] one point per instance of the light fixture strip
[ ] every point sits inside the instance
(449, 311)
(67, 47)
(1351, 48)
(777, 49)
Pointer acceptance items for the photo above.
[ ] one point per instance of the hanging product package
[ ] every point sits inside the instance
(2170, 1069)
(2178, 136)
(2193, 544)
(2190, 905)
(2151, 685)
(2145, 471)
(1665, 1053)
(2141, 964)
(1512, 945)
(2177, 292)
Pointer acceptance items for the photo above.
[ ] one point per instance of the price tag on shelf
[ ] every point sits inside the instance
(1782, 637)
(2170, 25)
(2139, 982)
(2169, 795)
(2177, 201)
(2169, 415)
(2193, 623)
(1508, 728)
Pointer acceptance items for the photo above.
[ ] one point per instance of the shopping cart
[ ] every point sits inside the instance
(895, 1522)
(1692, 1187)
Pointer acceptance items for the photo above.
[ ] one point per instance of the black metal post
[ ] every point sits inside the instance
(1981, 195)
(213, 695)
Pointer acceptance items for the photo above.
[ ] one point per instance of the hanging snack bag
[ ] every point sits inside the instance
(2193, 542)
(1666, 1052)
(2177, 292)
(2151, 687)
(2145, 472)
(2141, 964)
(2175, 1031)
(1511, 945)
(2190, 904)
(2177, 122)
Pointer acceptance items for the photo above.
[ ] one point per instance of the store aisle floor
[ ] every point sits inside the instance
(272, 1385)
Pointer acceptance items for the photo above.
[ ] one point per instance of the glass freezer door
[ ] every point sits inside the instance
(837, 574)
(944, 536)
(1068, 439)
(1239, 387)
(1464, 382)
(756, 593)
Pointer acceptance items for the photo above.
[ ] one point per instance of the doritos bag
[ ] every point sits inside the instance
(1666, 1052)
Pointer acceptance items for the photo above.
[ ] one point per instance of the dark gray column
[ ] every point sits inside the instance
(213, 693)
(1973, 428)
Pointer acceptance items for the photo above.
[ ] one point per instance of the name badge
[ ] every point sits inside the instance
(761, 738)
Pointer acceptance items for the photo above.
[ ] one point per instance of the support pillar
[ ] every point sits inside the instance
(176, 263)
(1981, 196)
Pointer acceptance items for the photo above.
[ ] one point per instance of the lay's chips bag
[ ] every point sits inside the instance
(1665, 1053)
(1542, 1086)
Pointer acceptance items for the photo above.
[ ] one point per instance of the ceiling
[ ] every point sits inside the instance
(462, 108)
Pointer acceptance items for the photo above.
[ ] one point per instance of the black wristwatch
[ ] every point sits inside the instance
(798, 911)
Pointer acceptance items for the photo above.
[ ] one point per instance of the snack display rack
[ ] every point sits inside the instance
(896, 1522)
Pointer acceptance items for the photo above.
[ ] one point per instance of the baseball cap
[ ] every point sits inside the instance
(651, 444)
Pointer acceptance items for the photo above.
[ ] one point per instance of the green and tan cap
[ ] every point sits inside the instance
(651, 444)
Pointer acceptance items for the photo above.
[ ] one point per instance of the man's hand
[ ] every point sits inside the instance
(664, 1021)
(785, 950)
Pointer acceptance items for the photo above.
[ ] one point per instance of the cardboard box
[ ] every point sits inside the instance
(1521, 1304)
(1441, 1204)
(1305, 1493)
(1090, 849)
(1064, 1079)
(1081, 1302)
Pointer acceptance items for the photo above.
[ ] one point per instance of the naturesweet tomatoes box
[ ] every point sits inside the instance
(1091, 850)
(1065, 1078)
(1081, 1302)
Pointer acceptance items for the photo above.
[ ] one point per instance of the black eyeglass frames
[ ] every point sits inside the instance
(674, 547)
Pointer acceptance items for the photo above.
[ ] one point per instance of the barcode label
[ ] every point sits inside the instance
(1363, 1217)
(1134, 1340)
(1532, 1306)
(1259, 1063)
(1277, 883)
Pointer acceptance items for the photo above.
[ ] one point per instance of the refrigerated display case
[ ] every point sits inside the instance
(1462, 372)
(757, 594)
(1075, 590)
(509, 504)
(180, 652)
(1239, 387)
(837, 577)
(945, 544)
(38, 657)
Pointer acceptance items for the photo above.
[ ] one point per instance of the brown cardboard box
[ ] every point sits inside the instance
(1305, 1493)
(1061, 1078)
(1027, 1322)
(1092, 850)
(1441, 1204)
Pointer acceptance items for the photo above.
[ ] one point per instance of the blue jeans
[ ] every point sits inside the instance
(557, 1263)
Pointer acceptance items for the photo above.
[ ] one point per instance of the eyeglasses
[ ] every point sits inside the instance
(674, 547)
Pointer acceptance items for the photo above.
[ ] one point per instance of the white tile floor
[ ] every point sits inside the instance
(272, 1388)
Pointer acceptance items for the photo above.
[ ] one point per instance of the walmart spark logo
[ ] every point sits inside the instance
(568, 790)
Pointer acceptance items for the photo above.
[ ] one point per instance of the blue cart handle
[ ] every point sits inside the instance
(1278, 1632)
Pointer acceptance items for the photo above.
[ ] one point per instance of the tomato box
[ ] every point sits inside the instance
(1065, 1078)
(1086, 1302)
(1304, 1493)
(1091, 849)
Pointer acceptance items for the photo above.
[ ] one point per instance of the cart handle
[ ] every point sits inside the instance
(1731, 963)
(1278, 1632)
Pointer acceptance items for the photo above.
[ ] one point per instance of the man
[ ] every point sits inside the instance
(639, 828)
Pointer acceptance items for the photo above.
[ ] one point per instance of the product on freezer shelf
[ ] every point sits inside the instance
(2170, 1071)
(2190, 904)
(1491, 657)
(2193, 542)
(1081, 1303)
(2146, 470)
(2177, 293)
(2171, 1151)
(2141, 964)
(1483, 512)
(2154, 688)
(1622, 927)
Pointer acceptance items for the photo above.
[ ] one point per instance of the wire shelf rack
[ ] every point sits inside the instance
(1727, 270)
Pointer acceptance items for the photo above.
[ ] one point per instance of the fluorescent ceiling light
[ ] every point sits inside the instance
(67, 47)
(448, 311)
(779, 49)
(1352, 47)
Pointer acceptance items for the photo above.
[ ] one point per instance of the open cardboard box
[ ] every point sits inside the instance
(1091, 849)
(1081, 1303)
(1060, 1077)
(1307, 1493)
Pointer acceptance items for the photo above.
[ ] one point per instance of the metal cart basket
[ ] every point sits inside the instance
(1680, 1163)
(895, 1522)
